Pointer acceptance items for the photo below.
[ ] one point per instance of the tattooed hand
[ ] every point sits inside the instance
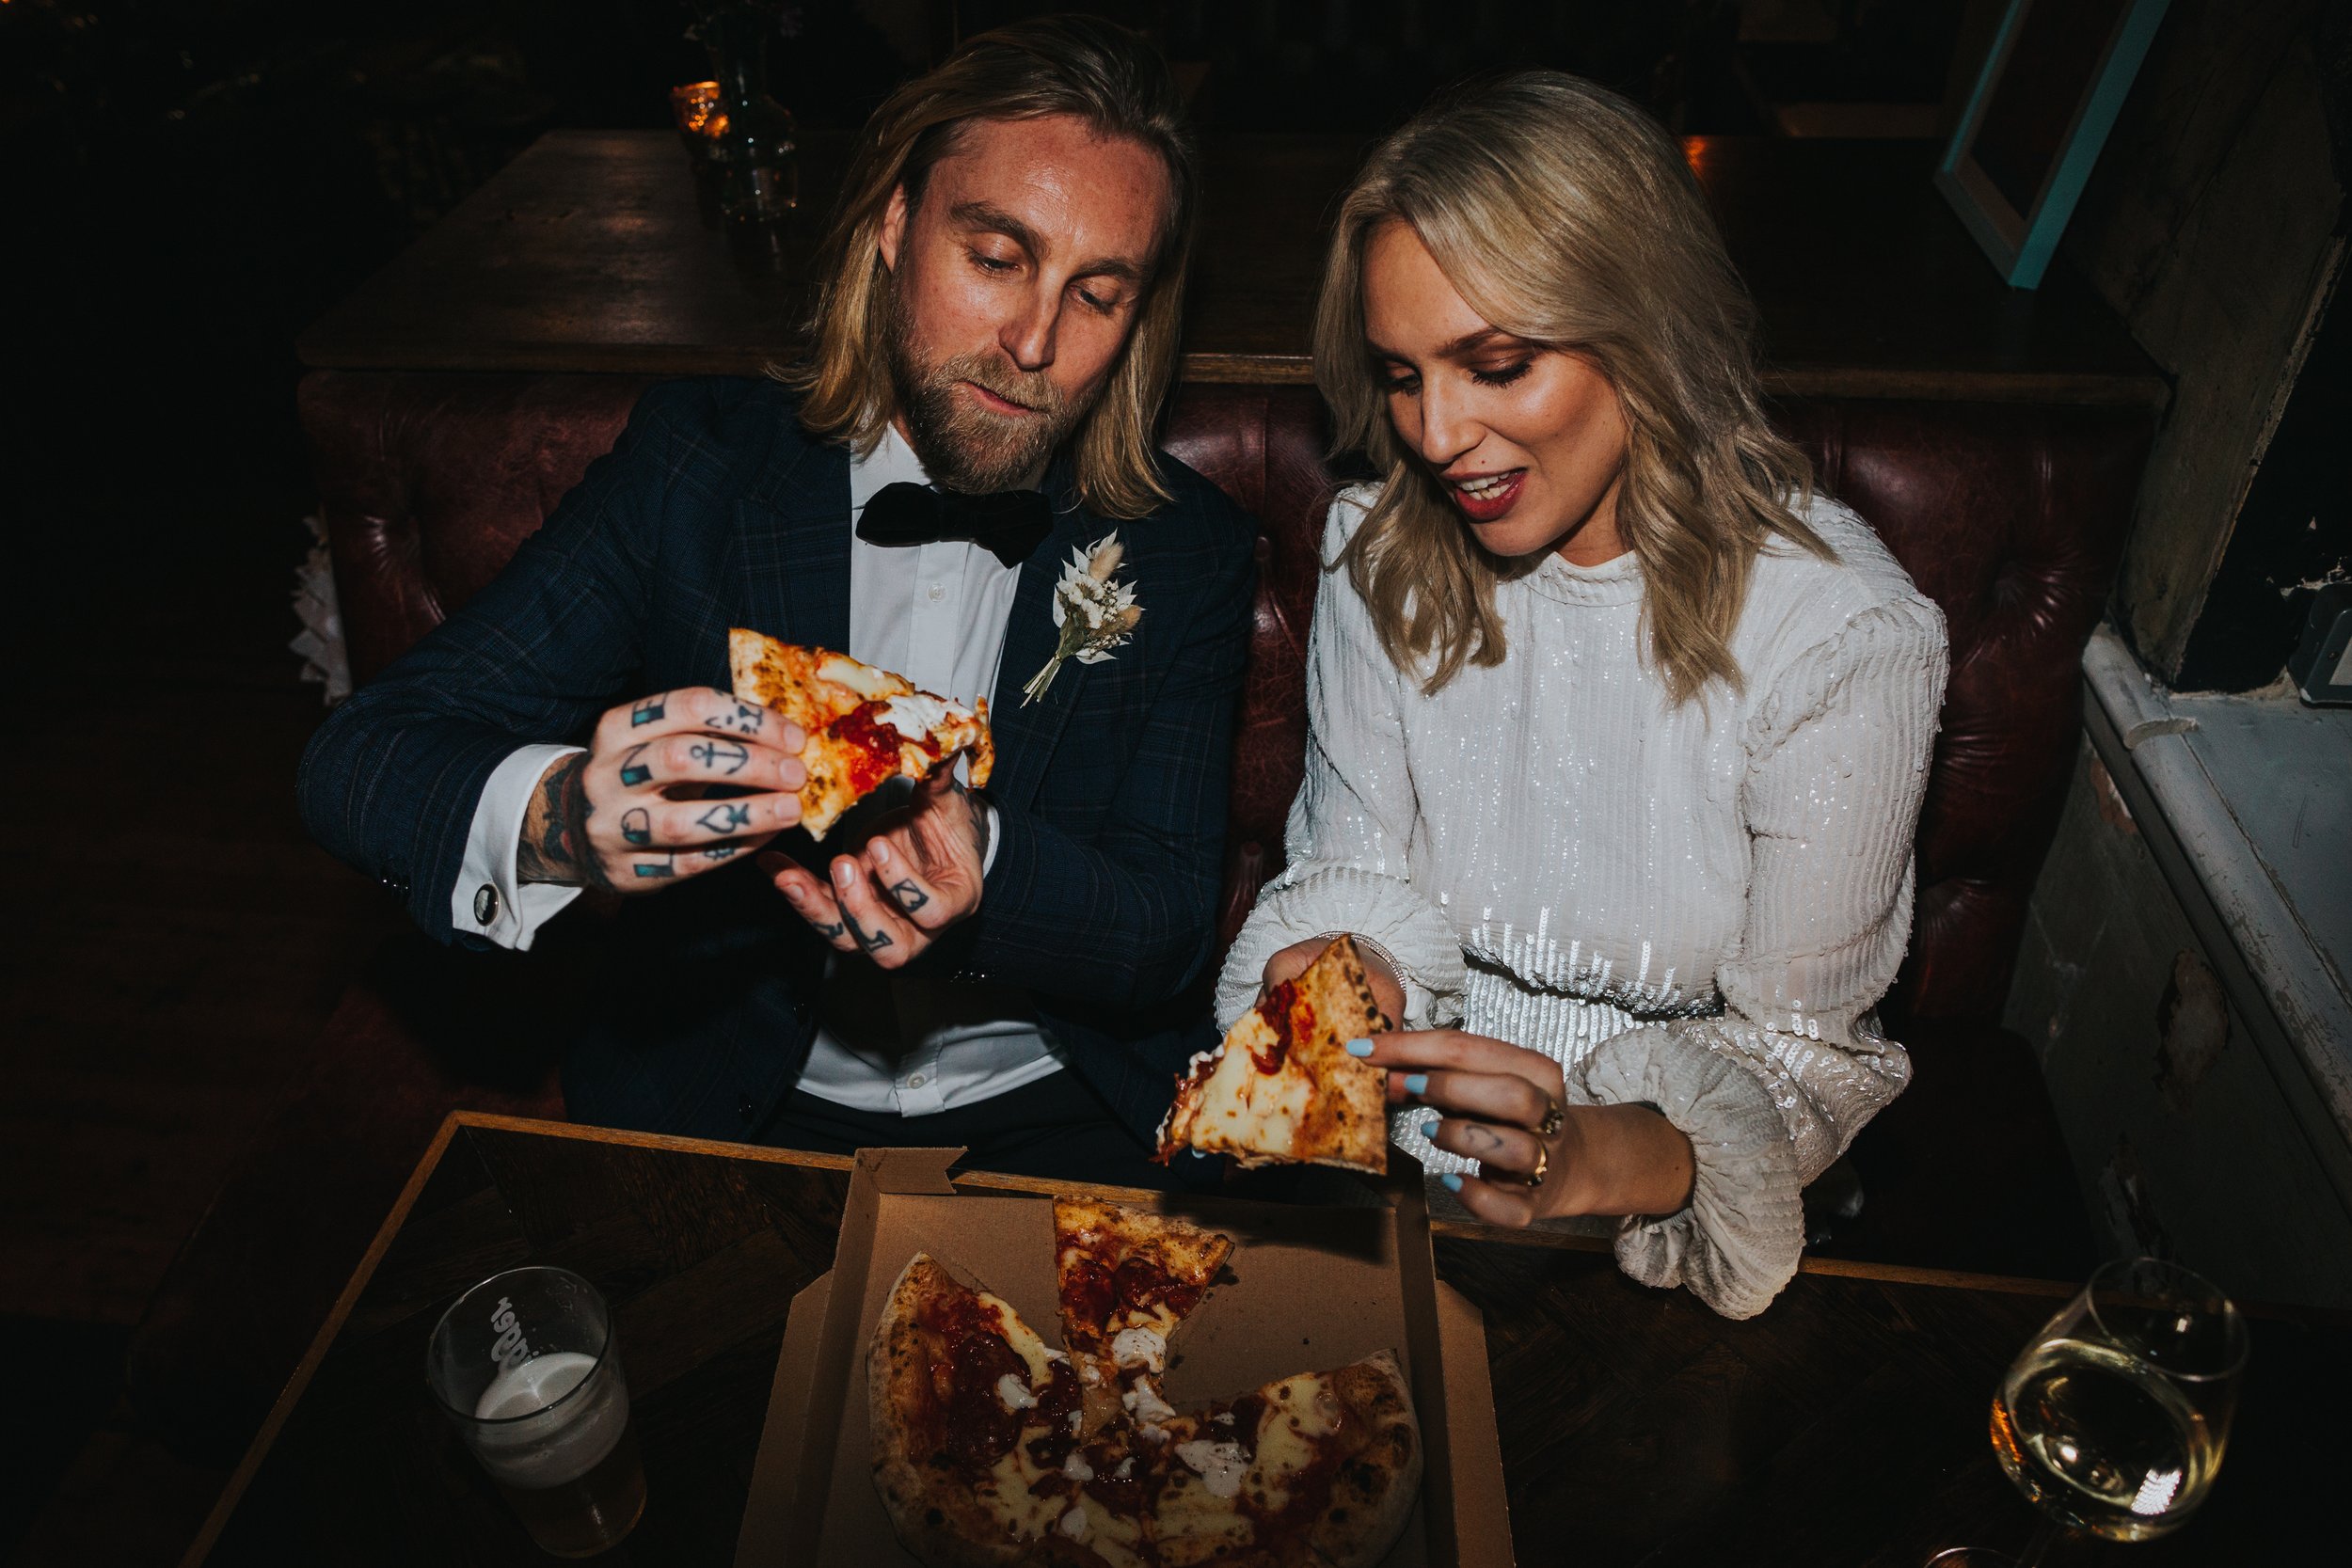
(634, 813)
(912, 879)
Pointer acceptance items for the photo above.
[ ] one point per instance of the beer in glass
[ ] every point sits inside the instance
(527, 1366)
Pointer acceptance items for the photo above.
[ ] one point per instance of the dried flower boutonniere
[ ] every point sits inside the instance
(1094, 613)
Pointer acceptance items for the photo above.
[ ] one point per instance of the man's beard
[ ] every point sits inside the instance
(964, 446)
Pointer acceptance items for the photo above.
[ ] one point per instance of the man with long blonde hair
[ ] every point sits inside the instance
(994, 330)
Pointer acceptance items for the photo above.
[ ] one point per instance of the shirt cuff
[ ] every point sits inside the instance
(988, 856)
(488, 901)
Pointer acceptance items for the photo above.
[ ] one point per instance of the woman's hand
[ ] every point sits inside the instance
(1292, 962)
(1507, 1107)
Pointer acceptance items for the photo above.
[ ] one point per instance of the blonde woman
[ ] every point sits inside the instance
(1618, 730)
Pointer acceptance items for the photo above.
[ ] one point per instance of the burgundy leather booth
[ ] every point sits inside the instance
(2010, 516)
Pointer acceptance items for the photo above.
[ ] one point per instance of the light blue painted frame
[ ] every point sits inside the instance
(2022, 244)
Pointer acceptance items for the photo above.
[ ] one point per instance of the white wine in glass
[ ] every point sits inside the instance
(2114, 1420)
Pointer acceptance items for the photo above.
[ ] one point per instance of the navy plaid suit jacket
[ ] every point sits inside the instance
(716, 509)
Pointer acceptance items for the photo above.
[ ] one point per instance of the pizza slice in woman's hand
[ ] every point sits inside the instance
(863, 725)
(1282, 1088)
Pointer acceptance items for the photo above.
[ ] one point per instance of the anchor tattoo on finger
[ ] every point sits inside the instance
(724, 756)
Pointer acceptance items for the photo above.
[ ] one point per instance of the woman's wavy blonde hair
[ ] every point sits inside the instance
(1566, 217)
(1057, 65)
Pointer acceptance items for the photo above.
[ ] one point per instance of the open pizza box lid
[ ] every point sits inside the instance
(1311, 1288)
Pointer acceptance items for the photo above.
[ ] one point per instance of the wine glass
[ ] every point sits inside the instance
(2113, 1421)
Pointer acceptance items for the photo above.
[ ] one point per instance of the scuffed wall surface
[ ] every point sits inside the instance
(2182, 1139)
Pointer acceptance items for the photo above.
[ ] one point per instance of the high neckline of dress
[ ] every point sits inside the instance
(1614, 581)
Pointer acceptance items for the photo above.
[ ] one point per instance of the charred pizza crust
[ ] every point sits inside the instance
(1282, 1088)
(937, 1482)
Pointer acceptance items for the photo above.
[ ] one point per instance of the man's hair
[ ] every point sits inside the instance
(1059, 65)
(1565, 216)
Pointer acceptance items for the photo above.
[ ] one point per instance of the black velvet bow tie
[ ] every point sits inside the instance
(1009, 525)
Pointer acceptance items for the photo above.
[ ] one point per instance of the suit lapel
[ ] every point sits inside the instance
(1026, 732)
(792, 544)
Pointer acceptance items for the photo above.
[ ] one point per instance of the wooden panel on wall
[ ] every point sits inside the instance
(2210, 224)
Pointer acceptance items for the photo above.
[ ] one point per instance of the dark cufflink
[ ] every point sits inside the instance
(486, 904)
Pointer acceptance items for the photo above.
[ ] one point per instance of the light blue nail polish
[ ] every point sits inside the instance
(1451, 1182)
(1417, 1082)
(1359, 1048)
(1429, 1127)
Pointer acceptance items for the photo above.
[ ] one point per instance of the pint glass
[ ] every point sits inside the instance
(527, 1366)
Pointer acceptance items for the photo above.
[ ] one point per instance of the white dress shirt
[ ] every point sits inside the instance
(936, 614)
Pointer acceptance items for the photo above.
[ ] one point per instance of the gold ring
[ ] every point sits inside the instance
(1553, 1117)
(1543, 1166)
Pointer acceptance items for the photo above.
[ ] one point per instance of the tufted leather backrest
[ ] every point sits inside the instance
(2010, 516)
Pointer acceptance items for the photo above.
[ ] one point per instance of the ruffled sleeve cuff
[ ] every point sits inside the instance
(1384, 911)
(1736, 1243)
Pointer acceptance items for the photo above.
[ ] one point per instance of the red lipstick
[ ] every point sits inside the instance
(1492, 502)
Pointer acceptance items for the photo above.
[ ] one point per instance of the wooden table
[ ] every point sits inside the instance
(590, 253)
(1846, 1425)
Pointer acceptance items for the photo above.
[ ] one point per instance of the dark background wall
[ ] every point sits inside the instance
(190, 181)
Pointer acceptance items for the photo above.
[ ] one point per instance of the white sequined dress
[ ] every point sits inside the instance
(1692, 907)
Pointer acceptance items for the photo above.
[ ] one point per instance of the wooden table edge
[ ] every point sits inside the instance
(299, 1381)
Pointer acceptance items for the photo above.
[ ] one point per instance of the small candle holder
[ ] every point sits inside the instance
(701, 122)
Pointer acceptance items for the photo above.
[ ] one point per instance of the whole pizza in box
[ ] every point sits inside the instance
(994, 1448)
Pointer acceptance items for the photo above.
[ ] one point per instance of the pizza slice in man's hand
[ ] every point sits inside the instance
(863, 725)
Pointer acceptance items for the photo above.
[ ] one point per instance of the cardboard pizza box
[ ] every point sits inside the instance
(1311, 1289)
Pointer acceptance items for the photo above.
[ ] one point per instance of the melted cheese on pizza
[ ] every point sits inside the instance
(1009, 1492)
(1115, 1538)
(1025, 1342)
(1299, 1412)
(1244, 1108)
